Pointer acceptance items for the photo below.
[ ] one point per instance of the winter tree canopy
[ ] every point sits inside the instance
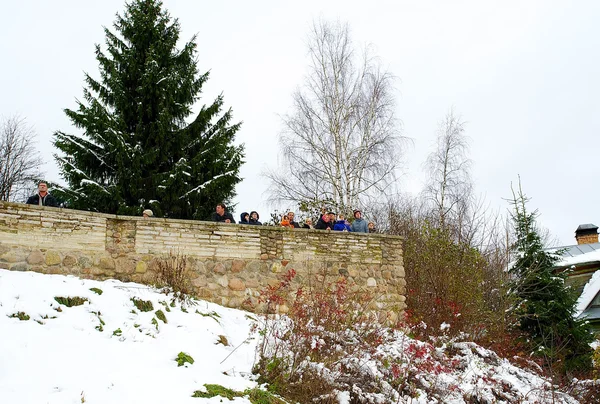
(137, 149)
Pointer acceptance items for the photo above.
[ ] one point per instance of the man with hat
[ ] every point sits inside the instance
(359, 225)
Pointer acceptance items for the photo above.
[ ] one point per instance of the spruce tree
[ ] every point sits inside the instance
(137, 151)
(545, 307)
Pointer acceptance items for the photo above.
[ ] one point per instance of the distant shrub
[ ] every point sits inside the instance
(70, 301)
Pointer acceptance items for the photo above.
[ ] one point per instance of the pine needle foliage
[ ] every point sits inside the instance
(545, 306)
(137, 149)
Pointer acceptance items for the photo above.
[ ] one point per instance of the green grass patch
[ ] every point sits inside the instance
(256, 396)
(155, 322)
(142, 305)
(182, 358)
(213, 314)
(70, 301)
(167, 308)
(161, 316)
(96, 291)
(118, 332)
(21, 315)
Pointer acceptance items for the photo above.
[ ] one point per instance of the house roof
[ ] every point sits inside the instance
(590, 291)
(577, 254)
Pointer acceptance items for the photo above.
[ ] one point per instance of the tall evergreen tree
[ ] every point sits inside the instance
(545, 307)
(137, 150)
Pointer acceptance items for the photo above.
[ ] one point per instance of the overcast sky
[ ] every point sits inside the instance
(524, 75)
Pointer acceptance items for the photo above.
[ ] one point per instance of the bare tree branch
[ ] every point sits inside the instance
(341, 142)
(19, 160)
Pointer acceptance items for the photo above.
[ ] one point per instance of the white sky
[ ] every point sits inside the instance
(524, 75)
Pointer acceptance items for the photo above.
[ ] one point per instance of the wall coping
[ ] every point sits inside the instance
(186, 221)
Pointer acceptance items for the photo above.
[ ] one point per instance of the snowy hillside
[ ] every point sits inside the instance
(107, 350)
(63, 357)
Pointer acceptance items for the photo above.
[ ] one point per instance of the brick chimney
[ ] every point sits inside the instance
(586, 234)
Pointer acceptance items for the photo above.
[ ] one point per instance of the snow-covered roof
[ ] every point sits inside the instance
(591, 289)
(577, 254)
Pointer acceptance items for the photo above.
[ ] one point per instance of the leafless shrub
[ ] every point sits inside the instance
(171, 275)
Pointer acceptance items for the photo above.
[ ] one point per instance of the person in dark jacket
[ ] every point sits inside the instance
(290, 217)
(324, 223)
(244, 218)
(359, 225)
(342, 224)
(308, 224)
(372, 228)
(42, 198)
(221, 215)
(254, 218)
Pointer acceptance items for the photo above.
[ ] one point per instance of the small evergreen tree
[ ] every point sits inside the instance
(545, 307)
(137, 150)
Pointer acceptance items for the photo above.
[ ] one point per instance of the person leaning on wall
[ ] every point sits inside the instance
(42, 198)
(221, 215)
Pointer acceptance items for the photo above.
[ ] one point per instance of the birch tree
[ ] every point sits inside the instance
(341, 141)
(449, 187)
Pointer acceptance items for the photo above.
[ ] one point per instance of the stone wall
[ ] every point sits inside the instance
(227, 263)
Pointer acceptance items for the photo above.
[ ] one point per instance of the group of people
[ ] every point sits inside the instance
(326, 222)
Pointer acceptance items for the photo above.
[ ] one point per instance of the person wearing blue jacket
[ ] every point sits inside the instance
(341, 224)
(359, 225)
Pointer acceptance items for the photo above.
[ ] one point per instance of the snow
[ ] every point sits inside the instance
(63, 357)
(67, 360)
(579, 259)
(203, 185)
(589, 292)
(86, 181)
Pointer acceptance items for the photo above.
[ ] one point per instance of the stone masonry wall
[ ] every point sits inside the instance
(227, 263)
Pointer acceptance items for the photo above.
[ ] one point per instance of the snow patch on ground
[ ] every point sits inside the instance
(61, 357)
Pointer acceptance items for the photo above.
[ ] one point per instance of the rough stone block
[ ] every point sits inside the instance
(69, 261)
(52, 258)
(237, 266)
(200, 282)
(106, 263)
(219, 268)
(21, 266)
(35, 257)
(236, 284)
(141, 267)
(14, 256)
